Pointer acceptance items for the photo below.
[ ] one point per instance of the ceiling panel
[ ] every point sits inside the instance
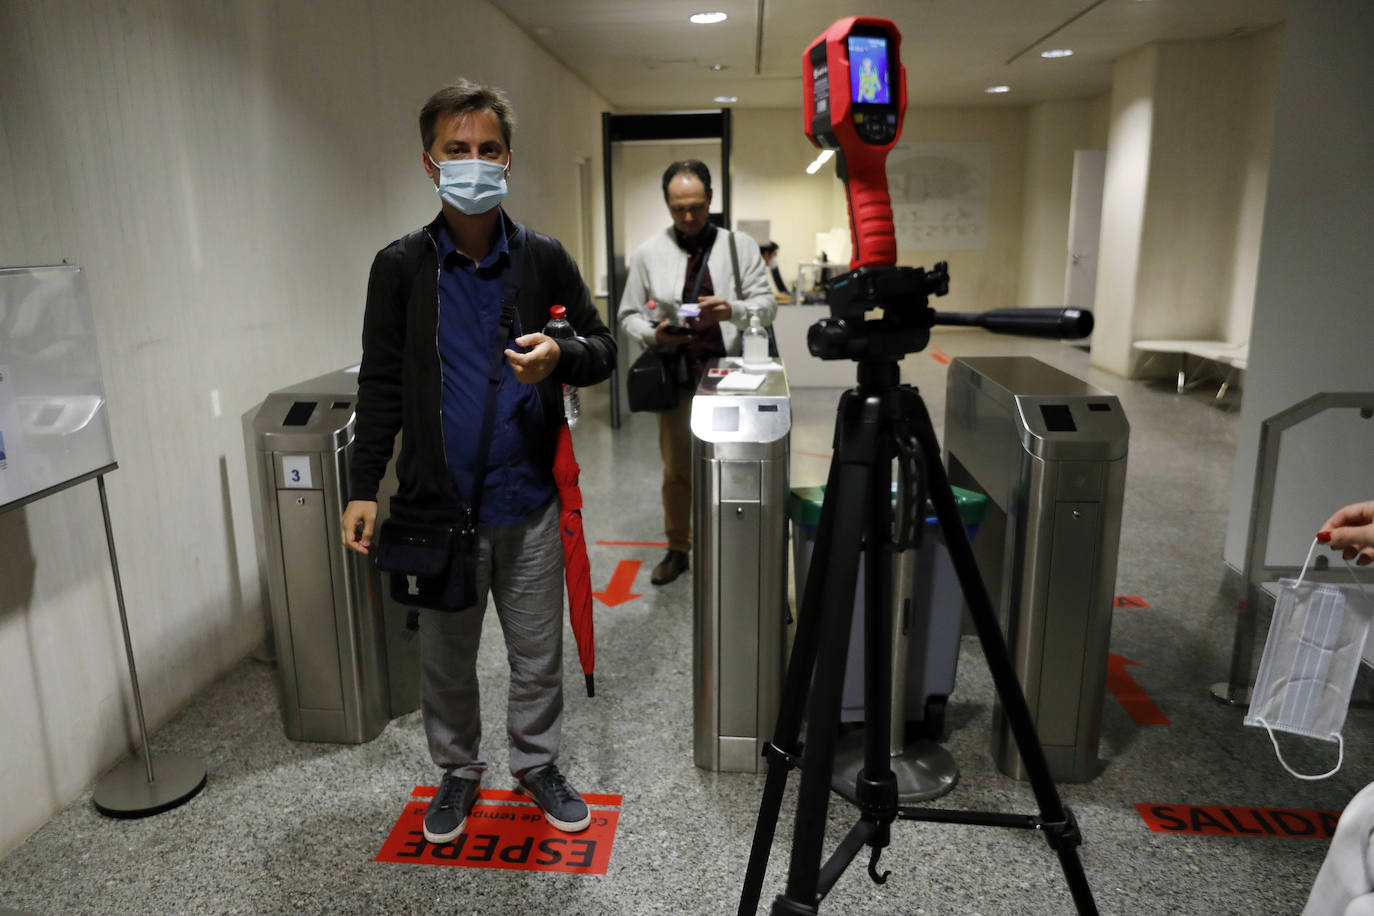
(645, 55)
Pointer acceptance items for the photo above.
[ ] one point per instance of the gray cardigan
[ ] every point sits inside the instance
(658, 271)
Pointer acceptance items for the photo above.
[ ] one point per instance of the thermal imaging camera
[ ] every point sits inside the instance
(854, 98)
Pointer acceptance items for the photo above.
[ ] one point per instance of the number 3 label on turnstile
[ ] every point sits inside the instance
(295, 471)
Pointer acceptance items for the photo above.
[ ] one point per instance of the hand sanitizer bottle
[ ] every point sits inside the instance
(755, 342)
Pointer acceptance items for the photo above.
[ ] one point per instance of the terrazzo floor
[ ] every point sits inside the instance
(290, 827)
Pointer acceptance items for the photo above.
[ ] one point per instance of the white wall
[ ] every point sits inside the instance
(1054, 131)
(224, 173)
(1312, 304)
(985, 278)
(1123, 207)
(1190, 133)
(769, 181)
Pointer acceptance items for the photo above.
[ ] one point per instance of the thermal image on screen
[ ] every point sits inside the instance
(868, 70)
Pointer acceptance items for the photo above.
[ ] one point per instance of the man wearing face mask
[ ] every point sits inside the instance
(430, 354)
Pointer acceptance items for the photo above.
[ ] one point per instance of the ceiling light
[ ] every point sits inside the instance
(1057, 52)
(718, 66)
(996, 89)
(707, 18)
(821, 160)
(727, 98)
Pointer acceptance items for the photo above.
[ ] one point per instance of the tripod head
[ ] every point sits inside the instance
(903, 294)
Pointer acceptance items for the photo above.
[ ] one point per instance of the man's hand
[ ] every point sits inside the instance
(358, 518)
(714, 310)
(665, 338)
(536, 365)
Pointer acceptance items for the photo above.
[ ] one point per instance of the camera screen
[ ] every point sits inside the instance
(868, 81)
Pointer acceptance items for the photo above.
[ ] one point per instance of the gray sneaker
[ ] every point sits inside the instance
(561, 804)
(448, 810)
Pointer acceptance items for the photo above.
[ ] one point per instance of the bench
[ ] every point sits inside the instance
(1208, 352)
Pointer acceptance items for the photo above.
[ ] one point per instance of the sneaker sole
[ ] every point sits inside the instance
(439, 839)
(565, 826)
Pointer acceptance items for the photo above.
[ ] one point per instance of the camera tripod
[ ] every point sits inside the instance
(881, 423)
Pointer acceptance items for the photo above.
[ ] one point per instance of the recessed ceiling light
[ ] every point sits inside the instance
(1057, 52)
(727, 98)
(719, 66)
(996, 89)
(707, 18)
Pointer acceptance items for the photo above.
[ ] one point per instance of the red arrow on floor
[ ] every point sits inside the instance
(622, 580)
(1138, 706)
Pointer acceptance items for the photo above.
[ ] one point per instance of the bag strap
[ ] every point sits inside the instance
(734, 265)
(504, 331)
(701, 271)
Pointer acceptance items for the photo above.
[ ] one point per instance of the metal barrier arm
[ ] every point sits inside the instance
(1236, 689)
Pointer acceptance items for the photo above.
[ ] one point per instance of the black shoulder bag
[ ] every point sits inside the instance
(655, 377)
(432, 561)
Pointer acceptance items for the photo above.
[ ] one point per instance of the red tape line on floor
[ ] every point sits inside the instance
(506, 830)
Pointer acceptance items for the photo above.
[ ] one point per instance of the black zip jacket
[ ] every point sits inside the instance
(400, 381)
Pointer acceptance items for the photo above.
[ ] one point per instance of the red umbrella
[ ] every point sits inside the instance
(576, 569)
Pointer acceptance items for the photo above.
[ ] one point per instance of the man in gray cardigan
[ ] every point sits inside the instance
(722, 274)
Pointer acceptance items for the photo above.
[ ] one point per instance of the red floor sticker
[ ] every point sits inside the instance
(617, 591)
(1217, 820)
(940, 356)
(1137, 704)
(1129, 601)
(506, 830)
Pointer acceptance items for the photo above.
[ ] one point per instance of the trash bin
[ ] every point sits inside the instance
(344, 665)
(1049, 450)
(739, 497)
(926, 613)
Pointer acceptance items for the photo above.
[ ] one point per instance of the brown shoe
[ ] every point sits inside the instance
(673, 565)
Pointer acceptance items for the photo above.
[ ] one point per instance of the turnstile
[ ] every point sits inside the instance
(740, 442)
(1049, 450)
(344, 668)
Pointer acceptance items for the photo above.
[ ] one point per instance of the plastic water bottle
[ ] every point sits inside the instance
(559, 329)
(755, 342)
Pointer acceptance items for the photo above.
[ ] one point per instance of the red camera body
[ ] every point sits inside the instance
(854, 100)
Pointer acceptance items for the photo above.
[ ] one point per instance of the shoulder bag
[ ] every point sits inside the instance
(432, 561)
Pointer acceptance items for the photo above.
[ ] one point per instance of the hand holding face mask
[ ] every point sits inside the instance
(1351, 531)
(1311, 656)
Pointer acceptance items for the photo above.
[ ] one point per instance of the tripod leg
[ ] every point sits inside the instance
(856, 441)
(784, 750)
(1059, 828)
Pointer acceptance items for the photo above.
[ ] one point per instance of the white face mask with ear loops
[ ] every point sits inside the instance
(1307, 674)
(472, 185)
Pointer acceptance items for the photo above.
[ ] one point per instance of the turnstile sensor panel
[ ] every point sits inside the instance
(1058, 419)
(299, 414)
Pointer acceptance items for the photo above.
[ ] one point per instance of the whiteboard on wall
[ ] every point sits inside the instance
(940, 195)
(54, 426)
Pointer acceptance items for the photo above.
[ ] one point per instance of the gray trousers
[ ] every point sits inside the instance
(521, 565)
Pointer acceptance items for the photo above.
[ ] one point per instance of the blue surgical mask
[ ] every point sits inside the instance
(472, 185)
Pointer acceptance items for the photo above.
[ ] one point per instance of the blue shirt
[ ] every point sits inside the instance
(469, 315)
